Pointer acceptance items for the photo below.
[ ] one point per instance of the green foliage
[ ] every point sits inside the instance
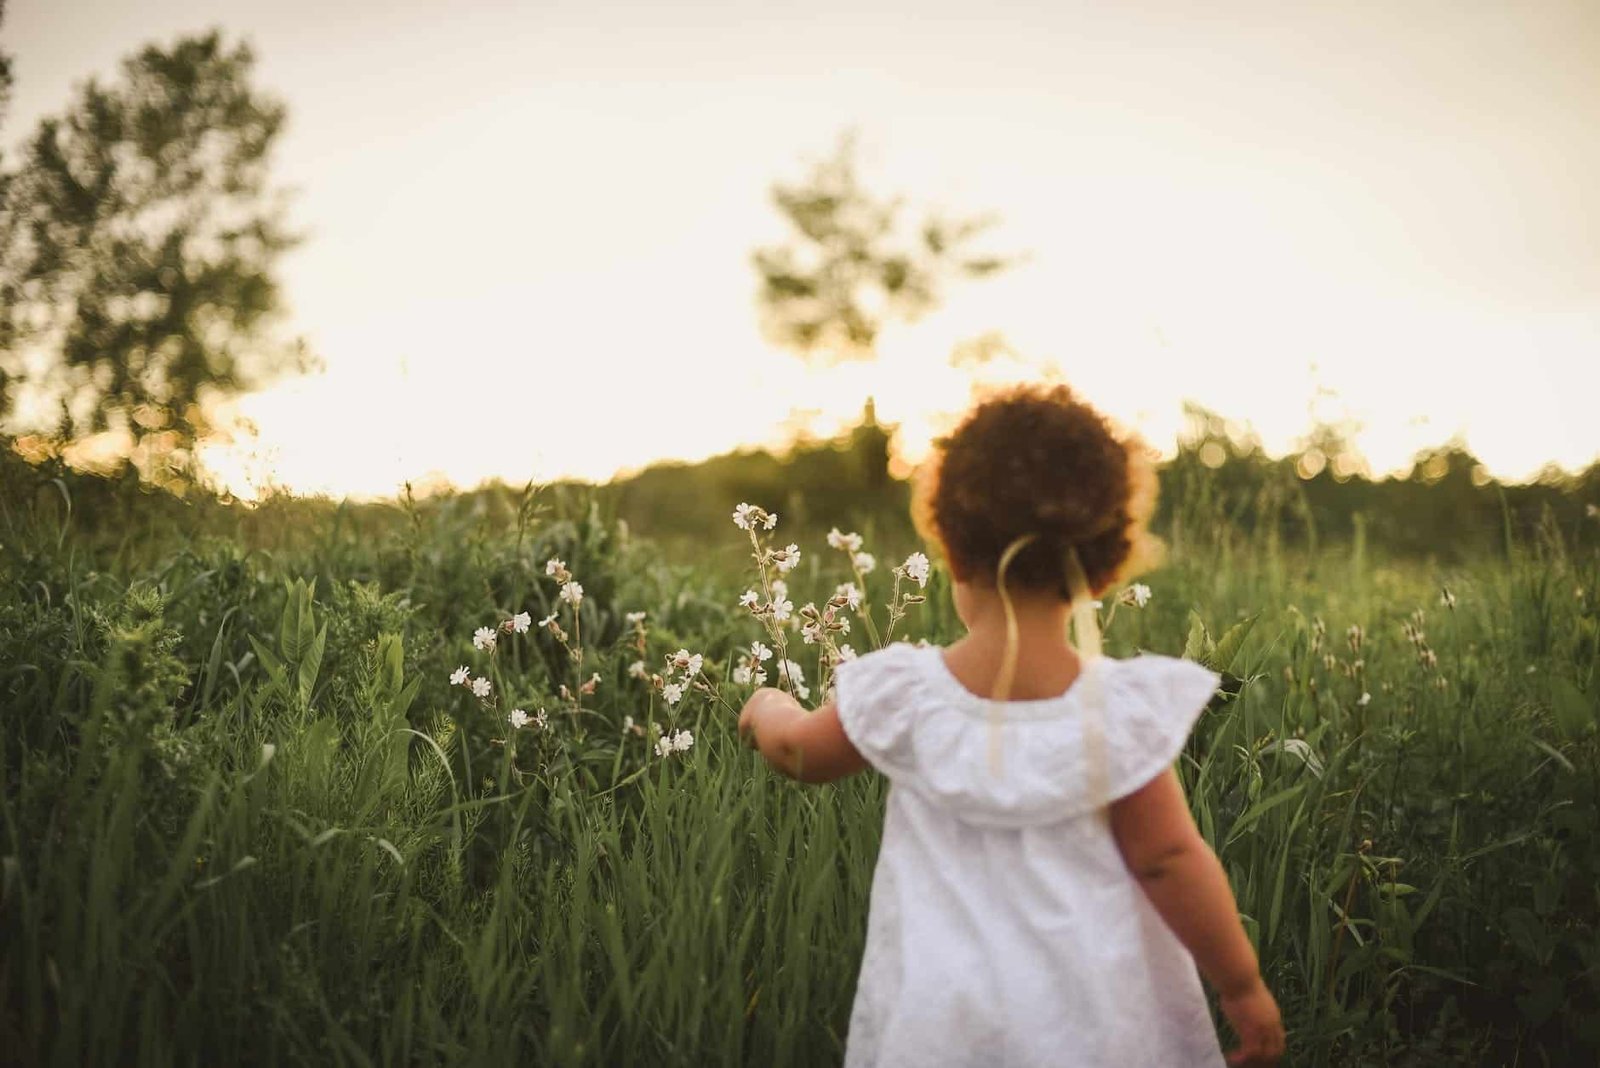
(247, 819)
(851, 265)
(138, 235)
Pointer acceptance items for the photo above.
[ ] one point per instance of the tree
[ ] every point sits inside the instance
(850, 265)
(5, 100)
(138, 235)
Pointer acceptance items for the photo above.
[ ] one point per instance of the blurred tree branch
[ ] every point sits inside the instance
(850, 265)
(138, 236)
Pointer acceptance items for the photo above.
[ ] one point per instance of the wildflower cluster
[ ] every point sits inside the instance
(677, 742)
(748, 671)
(481, 687)
(1412, 629)
(519, 719)
(822, 625)
(571, 594)
(682, 672)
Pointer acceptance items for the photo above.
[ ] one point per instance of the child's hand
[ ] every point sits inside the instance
(1254, 1015)
(749, 714)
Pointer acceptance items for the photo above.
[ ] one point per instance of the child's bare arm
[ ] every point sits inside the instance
(1185, 882)
(808, 746)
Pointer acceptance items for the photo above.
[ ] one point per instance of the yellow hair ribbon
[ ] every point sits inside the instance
(1086, 626)
(1007, 674)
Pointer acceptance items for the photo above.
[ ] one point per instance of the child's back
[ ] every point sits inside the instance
(1005, 927)
(1042, 895)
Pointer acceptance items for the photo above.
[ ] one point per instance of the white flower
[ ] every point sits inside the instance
(663, 746)
(683, 741)
(865, 563)
(1365, 700)
(459, 676)
(780, 589)
(554, 566)
(851, 594)
(1137, 595)
(782, 610)
(483, 638)
(760, 652)
(771, 520)
(637, 670)
(673, 692)
(572, 593)
(749, 599)
(759, 678)
(793, 672)
(744, 515)
(688, 662)
(742, 675)
(518, 718)
(787, 558)
(916, 566)
(811, 633)
(521, 622)
(480, 687)
(846, 653)
(634, 618)
(627, 723)
(850, 543)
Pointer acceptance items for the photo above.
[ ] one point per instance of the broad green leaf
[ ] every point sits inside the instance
(310, 664)
(1227, 648)
(1198, 646)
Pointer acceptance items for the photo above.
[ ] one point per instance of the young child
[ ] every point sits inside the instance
(1042, 895)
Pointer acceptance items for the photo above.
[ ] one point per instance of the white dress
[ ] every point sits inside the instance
(1004, 928)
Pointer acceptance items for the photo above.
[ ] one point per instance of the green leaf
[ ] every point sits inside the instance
(1259, 809)
(1227, 650)
(310, 664)
(214, 661)
(269, 660)
(389, 847)
(1199, 645)
(1554, 754)
(297, 627)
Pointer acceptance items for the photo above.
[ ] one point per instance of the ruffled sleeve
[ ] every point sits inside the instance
(1151, 709)
(877, 696)
(1024, 763)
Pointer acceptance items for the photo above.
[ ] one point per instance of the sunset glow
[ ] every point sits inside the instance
(528, 227)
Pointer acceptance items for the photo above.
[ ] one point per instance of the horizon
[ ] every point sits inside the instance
(1370, 217)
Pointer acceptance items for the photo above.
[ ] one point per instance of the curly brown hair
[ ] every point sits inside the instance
(1037, 461)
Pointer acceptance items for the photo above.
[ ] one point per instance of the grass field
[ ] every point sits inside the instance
(248, 819)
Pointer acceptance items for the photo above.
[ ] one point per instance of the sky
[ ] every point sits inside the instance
(528, 225)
